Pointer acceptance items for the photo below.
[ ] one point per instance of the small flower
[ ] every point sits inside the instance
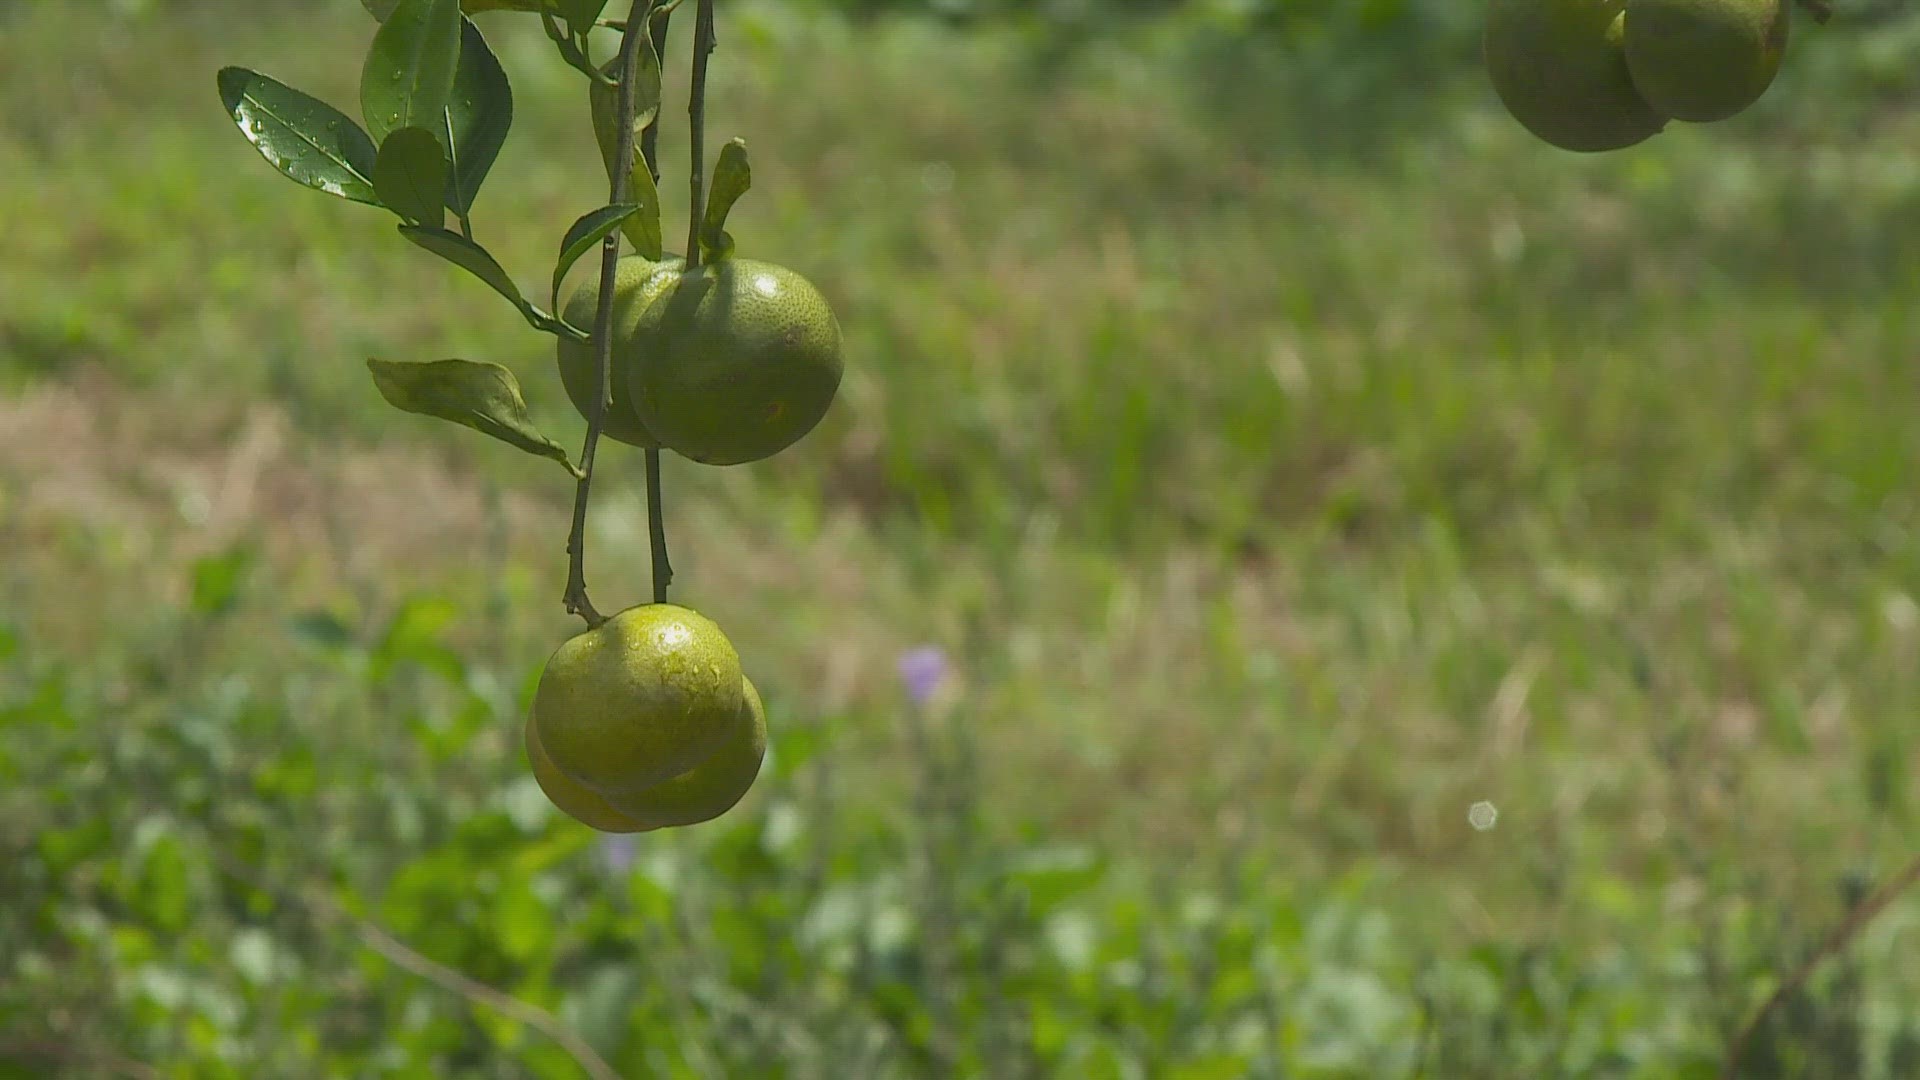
(616, 853)
(923, 670)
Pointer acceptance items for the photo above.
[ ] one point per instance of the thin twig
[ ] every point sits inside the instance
(697, 121)
(317, 903)
(511, 1007)
(656, 521)
(576, 595)
(1843, 934)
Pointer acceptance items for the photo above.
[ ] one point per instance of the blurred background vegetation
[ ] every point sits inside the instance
(1257, 457)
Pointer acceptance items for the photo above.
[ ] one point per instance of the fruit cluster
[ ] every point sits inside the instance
(1593, 75)
(646, 722)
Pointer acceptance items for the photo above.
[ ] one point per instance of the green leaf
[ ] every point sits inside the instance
(483, 396)
(470, 257)
(219, 579)
(408, 74)
(586, 232)
(580, 14)
(643, 229)
(479, 112)
(323, 628)
(411, 175)
(379, 9)
(309, 141)
(732, 176)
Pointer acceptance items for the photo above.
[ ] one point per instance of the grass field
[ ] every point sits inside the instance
(1271, 500)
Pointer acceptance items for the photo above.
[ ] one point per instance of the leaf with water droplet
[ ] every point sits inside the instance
(407, 76)
(483, 396)
(309, 141)
(478, 117)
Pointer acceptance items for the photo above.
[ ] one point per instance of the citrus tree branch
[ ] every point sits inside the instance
(1848, 929)
(576, 595)
(697, 121)
(656, 519)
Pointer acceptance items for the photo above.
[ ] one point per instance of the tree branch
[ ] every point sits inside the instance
(317, 903)
(697, 120)
(656, 521)
(576, 595)
(1849, 927)
(510, 1007)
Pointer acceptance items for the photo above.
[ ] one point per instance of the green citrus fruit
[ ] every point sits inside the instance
(735, 362)
(1560, 68)
(710, 788)
(640, 699)
(637, 282)
(579, 801)
(1705, 60)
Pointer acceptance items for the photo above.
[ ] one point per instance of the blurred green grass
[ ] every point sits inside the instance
(1276, 498)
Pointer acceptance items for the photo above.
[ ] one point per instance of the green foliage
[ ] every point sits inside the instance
(202, 913)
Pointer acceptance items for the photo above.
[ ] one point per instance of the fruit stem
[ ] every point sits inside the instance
(657, 529)
(697, 121)
(656, 519)
(576, 595)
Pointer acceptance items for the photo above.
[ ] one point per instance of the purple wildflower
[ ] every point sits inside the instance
(923, 670)
(616, 853)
